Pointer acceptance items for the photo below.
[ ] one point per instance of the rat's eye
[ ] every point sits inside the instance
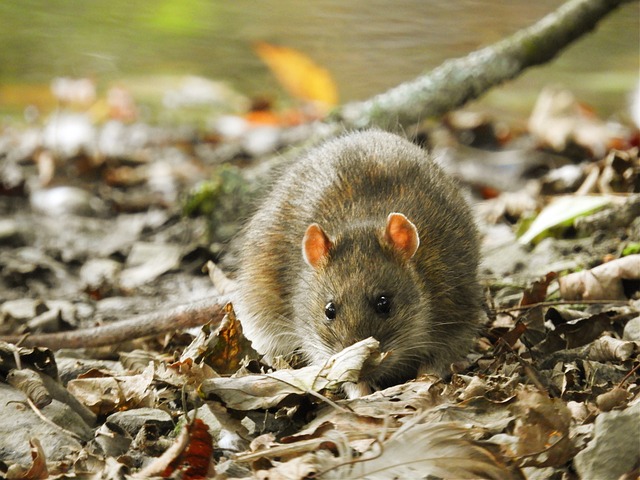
(330, 311)
(382, 304)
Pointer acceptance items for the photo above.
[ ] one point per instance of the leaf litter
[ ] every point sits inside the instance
(93, 233)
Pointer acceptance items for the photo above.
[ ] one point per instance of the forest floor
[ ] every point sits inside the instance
(105, 217)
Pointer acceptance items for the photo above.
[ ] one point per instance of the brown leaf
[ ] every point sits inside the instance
(298, 74)
(108, 394)
(537, 292)
(584, 330)
(30, 383)
(252, 392)
(542, 428)
(231, 346)
(608, 348)
(38, 469)
(616, 397)
(509, 339)
(190, 455)
(603, 282)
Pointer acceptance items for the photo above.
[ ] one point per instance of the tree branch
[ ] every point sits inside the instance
(185, 316)
(457, 81)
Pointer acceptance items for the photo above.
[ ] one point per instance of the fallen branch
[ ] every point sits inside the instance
(185, 316)
(457, 81)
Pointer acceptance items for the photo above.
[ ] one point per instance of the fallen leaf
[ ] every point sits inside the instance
(190, 455)
(37, 470)
(298, 74)
(252, 392)
(559, 120)
(542, 427)
(147, 261)
(614, 398)
(108, 394)
(561, 212)
(607, 348)
(420, 450)
(537, 292)
(30, 383)
(603, 282)
(230, 347)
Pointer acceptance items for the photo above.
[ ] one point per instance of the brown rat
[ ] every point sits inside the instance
(364, 236)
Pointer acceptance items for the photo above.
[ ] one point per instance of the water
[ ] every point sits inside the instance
(369, 46)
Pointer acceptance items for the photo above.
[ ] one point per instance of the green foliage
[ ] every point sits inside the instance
(224, 200)
(631, 248)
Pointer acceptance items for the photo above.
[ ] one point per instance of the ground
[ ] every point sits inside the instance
(112, 219)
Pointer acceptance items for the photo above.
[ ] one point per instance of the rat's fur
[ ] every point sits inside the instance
(349, 186)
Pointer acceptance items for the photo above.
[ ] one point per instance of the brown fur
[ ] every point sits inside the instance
(349, 186)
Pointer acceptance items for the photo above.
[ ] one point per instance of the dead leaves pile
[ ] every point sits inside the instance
(551, 389)
(524, 408)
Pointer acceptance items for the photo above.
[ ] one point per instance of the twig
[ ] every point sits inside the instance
(50, 422)
(562, 302)
(628, 375)
(457, 81)
(185, 316)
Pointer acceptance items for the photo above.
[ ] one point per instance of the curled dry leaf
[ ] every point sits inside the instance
(609, 348)
(37, 470)
(603, 282)
(231, 347)
(252, 392)
(30, 383)
(40, 359)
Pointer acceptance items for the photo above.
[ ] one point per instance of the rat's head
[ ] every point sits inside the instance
(360, 284)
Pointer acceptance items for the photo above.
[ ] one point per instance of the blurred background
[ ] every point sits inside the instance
(367, 46)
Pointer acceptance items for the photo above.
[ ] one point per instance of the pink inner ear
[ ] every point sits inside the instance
(315, 245)
(402, 235)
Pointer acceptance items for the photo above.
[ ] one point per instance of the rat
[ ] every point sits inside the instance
(364, 236)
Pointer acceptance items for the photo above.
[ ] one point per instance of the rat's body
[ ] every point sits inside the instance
(364, 236)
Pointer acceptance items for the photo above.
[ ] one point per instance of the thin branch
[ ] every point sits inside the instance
(185, 316)
(457, 81)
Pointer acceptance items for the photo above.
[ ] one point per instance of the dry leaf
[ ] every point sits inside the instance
(298, 74)
(419, 450)
(190, 455)
(231, 347)
(611, 349)
(108, 394)
(537, 291)
(37, 470)
(603, 282)
(559, 120)
(30, 383)
(542, 427)
(616, 397)
(252, 392)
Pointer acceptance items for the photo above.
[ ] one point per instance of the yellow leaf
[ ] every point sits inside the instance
(298, 74)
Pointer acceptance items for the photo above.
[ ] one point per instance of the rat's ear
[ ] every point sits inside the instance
(315, 245)
(402, 235)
